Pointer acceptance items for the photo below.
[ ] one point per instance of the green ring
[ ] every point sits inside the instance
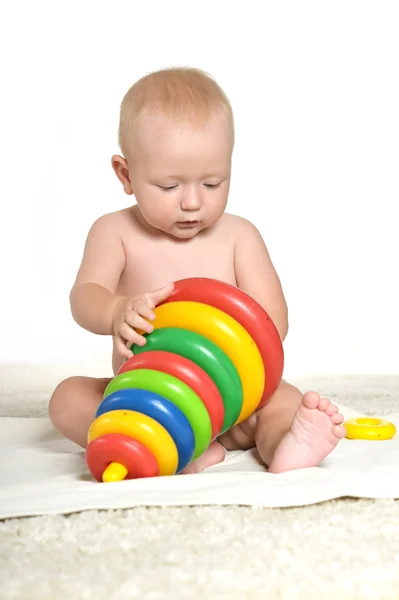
(177, 392)
(206, 355)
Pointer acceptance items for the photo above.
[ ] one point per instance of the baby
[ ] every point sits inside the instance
(176, 135)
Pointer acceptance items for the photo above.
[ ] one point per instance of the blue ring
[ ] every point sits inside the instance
(162, 411)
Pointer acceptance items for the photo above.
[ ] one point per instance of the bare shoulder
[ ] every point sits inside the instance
(113, 228)
(235, 222)
(104, 258)
(114, 220)
(239, 227)
(249, 246)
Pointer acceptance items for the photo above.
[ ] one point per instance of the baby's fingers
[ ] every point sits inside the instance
(131, 336)
(141, 307)
(137, 322)
(157, 296)
(122, 348)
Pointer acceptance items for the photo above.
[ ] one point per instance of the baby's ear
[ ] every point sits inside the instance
(121, 168)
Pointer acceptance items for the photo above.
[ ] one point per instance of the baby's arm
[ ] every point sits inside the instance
(256, 275)
(95, 304)
(93, 297)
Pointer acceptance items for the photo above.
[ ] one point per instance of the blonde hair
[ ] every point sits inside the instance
(181, 94)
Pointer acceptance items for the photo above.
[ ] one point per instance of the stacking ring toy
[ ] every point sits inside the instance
(142, 428)
(226, 333)
(188, 372)
(213, 358)
(369, 428)
(177, 392)
(248, 312)
(206, 355)
(113, 457)
(161, 410)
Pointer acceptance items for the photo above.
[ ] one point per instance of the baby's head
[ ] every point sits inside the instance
(176, 134)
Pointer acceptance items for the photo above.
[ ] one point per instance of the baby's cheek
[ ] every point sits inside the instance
(214, 210)
(161, 218)
(153, 212)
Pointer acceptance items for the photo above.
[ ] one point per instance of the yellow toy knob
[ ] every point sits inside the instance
(114, 472)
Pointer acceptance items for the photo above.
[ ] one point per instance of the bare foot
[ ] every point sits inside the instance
(213, 455)
(315, 431)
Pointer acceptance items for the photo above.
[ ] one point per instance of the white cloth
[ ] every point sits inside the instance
(42, 473)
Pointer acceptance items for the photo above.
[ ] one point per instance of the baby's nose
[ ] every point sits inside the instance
(191, 199)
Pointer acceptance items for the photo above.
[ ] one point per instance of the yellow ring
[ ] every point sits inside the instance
(226, 333)
(142, 428)
(369, 428)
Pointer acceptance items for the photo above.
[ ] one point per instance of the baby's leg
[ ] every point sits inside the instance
(295, 431)
(73, 406)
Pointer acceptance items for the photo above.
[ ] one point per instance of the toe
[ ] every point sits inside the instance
(337, 418)
(311, 399)
(324, 403)
(338, 431)
(331, 409)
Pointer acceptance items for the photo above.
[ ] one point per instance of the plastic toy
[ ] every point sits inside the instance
(214, 357)
(369, 428)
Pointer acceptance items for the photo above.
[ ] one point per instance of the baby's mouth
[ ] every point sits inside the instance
(187, 223)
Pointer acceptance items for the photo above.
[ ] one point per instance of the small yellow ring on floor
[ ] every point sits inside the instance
(369, 428)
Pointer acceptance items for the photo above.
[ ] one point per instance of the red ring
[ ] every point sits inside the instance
(189, 373)
(114, 447)
(248, 312)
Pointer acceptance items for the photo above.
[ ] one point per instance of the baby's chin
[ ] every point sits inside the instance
(187, 229)
(181, 232)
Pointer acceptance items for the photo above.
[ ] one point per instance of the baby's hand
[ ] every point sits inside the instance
(131, 314)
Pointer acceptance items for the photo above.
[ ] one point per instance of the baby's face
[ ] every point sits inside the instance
(181, 175)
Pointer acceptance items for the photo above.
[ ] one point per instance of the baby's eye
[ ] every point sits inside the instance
(167, 189)
(210, 186)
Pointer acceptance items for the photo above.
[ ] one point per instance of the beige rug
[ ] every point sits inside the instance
(347, 548)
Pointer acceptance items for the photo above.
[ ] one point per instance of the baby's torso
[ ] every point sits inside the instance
(151, 262)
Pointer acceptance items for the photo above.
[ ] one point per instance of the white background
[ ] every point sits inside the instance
(314, 87)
